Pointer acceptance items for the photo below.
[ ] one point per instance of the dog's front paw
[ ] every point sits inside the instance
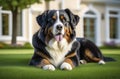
(49, 67)
(66, 66)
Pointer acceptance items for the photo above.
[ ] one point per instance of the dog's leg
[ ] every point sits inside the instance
(67, 64)
(70, 62)
(90, 57)
(46, 65)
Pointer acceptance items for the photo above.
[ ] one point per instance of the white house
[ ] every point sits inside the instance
(99, 20)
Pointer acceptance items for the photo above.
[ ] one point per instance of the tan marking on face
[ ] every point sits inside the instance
(61, 17)
(54, 17)
(49, 35)
(68, 32)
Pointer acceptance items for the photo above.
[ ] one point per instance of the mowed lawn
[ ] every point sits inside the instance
(14, 65)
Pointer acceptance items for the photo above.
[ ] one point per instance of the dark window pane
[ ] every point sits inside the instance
(5, 24)
(89, 28)
(113, 12)
(90, 12)
(113, 28)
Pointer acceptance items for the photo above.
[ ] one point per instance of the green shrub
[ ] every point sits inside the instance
(109, 47)
(27, 45)
(3, 45)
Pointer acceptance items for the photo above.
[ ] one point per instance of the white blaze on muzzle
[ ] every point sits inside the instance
(58, 34)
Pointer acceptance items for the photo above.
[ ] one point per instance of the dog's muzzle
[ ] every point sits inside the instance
(59, 33)
(59, 27)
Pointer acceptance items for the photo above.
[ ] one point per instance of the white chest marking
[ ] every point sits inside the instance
(58, 50)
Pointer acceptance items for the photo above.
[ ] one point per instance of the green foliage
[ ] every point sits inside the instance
(27, 45)
(15, 6)
(2, 45)
(110, 47)
(20, 4)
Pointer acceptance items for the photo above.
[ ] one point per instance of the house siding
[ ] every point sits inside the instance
(30, 14)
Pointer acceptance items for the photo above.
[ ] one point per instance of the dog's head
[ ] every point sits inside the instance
(58, 24)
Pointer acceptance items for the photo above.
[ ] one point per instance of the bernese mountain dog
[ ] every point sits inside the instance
(56, 46)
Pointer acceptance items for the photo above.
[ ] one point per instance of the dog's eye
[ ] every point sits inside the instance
(62, 17)
(63, 20)
(54, 17)
(51, 20)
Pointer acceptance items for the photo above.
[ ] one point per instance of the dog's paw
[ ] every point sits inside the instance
(101, 62)
(49, 67)
(83, 62)
(66, 66)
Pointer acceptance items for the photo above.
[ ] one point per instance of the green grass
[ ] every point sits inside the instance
(14, 65)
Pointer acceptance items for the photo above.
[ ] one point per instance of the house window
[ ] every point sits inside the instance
(114, 28)
(89, 28)
(5, 24)
(91, 22)
(112, 24)
(89, 25)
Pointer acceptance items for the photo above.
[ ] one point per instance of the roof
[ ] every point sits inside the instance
(102, 1)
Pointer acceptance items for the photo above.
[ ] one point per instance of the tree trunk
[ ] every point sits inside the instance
(14, 28)
(47, 5)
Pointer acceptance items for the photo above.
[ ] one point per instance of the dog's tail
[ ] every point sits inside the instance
(108, 59)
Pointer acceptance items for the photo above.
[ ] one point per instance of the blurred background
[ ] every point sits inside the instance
(99, 20)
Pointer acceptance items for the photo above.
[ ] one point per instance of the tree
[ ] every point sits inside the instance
(15, 6)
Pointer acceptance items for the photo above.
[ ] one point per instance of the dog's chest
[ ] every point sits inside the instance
(58, 51)
(57, 56)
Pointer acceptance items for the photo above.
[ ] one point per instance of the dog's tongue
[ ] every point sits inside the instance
(58, 37)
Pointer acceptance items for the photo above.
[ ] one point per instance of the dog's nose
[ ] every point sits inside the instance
(59, 27)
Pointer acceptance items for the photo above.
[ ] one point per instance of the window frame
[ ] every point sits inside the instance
(91, 16)
(107, 17)
(96, 15)
(9, 36)
(6, 37)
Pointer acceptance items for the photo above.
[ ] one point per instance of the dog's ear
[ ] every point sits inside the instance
(41, 19)
(74, 19)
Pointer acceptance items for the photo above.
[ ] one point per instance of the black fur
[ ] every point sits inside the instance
(78, 46)
(87, 44)
(45, 21)
(39, 46)
(74, 19)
